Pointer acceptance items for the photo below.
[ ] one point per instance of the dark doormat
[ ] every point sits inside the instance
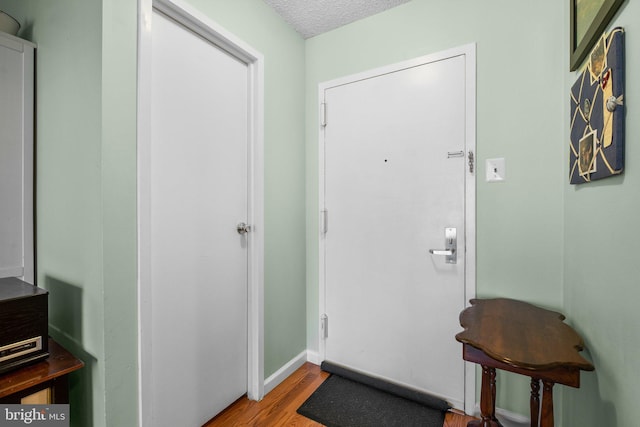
(341, 402)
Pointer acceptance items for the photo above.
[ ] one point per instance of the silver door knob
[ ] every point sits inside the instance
(243, 228)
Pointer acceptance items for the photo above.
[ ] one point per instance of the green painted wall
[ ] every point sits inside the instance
(119, 222)
(259, 26)
(68, 179)
(602, 244)
(86, 193)
(520, 116)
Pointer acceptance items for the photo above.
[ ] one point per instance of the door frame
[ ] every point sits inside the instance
(469, 52)
(199, 23)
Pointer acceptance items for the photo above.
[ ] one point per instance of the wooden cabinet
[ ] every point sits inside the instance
(43, 382)
(16, 157)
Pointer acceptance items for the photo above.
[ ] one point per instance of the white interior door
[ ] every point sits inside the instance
(198, 180)
(396, 175)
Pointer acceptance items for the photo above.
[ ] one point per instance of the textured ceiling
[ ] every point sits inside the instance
(313, 17)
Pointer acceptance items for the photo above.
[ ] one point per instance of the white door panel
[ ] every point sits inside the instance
(199, 119)
(391, 190)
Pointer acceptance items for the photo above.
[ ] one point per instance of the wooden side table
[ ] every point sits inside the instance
(43, 382)
(519, 337)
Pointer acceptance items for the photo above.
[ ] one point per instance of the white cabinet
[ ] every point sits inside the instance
(16, 157)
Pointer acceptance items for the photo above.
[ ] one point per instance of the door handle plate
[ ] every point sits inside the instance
(450, 246)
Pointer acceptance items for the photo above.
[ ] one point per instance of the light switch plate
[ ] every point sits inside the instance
(496, 171)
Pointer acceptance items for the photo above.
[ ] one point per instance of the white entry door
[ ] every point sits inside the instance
(396, 180)
(198, 180)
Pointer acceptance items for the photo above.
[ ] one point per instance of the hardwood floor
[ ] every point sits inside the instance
(278, 408)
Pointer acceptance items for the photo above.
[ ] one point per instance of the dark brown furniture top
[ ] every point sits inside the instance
(521, 335)
(18, 289)
(59, 363)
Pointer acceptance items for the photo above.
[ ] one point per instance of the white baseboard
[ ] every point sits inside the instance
(282, 373)
(314, 357)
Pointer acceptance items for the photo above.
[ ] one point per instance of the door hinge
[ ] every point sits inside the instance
(323, 114)
(324, 221)
(471, 161)
(324, 326)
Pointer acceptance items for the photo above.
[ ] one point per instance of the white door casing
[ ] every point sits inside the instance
(382, 172)
(16, 158)
(169, 322)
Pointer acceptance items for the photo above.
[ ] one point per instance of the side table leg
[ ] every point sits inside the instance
(535, 402)
(547, 405)
(487, 400)
(492, 385)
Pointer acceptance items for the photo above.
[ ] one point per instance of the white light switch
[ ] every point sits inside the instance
(496, 170)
